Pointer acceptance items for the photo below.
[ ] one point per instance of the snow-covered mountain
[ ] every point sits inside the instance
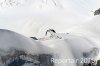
(44, 14)
(34, 17)
(18, 49)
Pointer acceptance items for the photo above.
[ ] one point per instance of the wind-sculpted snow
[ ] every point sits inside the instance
(80, 47)
(61, 51)
(34, 17)
(17, 49)
(10, 39)
(90, 29)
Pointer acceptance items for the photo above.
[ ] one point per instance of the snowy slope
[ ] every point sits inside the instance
(65, 48)
(78, 45)
(34, 17)
(61, 51)
(14, 45)
(90, 29)
(11, 41)
(44, 14)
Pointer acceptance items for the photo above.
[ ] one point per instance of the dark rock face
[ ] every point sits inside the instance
(18, 62)
(97, 12)
(45, 60)
(34, 38)
(98, 63)
(21, 58)
(50, 30)
(91, 63)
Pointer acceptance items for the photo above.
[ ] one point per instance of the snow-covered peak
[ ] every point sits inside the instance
(46, 3)
(11, 3)
(33, 3)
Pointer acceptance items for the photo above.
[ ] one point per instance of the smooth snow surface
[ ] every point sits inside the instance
(11, 39)
(34, 17)
(90, 30)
